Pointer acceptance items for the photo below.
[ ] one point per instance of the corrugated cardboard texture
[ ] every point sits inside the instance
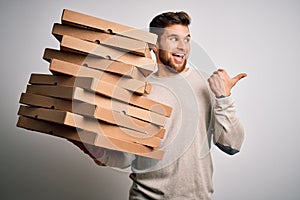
(94, 62)
(122, 43)
(88, 137)
(95, 95)
(43, 79)
(102, 88)
(83, 20)
(139, 87)
(94, 111)
(72, 44)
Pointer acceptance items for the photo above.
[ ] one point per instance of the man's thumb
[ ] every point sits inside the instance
(239, 77)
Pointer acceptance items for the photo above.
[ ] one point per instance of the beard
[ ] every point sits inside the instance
(169, 63)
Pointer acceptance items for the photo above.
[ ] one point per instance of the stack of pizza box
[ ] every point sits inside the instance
(97, 90)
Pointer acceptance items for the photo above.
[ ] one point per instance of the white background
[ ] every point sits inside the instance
(261, 38)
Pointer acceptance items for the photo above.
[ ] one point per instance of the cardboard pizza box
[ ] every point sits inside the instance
(133, 85)
(123, 43)
(99, 140)
(145, 65)
(62, 80)
(130, 110)
(94, 62)
(90, 93)
(94, 111)
(86, 123)
(82, 20)
(89, 108)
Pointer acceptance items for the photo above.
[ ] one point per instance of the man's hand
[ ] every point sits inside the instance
(90, 150)
(221, 84)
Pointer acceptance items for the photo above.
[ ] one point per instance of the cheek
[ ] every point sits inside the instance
(171, 46)
(167, 46)
(188, 49)
(163, 55)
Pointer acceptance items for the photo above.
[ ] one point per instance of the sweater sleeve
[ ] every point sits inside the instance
(105, 157)
(116, 159)
(228, 130)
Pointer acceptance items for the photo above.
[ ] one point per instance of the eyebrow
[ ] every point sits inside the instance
(173, 34)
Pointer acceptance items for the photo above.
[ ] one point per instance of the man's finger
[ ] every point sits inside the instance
(238, 77)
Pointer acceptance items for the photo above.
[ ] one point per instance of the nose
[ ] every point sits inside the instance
(181, 44)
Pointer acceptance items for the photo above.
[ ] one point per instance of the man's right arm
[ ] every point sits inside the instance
(106, 157)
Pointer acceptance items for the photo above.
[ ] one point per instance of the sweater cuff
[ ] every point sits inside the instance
(224, 102)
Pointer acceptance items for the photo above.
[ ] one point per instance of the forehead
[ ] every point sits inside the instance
(177, 29)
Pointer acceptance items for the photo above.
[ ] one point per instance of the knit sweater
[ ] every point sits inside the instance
(197, 120)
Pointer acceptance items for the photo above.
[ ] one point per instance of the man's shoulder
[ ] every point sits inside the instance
(199, 73)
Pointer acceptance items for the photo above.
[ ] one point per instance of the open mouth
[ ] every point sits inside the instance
(179, 57)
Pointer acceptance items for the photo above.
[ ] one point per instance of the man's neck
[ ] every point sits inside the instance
(165, 71)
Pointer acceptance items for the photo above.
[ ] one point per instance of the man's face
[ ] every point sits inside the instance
(174, 47)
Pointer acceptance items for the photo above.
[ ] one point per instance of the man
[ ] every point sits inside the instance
(202, 110)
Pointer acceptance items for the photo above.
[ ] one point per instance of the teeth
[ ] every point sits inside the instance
(179, 54)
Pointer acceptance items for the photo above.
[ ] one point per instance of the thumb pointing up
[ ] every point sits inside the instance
(221, 83)
(238, 77)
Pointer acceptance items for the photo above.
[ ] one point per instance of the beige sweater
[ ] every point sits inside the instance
(197, 119)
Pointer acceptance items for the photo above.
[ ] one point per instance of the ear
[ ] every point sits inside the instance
(153, 48)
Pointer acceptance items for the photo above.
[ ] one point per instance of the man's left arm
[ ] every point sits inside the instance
(228, 130)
